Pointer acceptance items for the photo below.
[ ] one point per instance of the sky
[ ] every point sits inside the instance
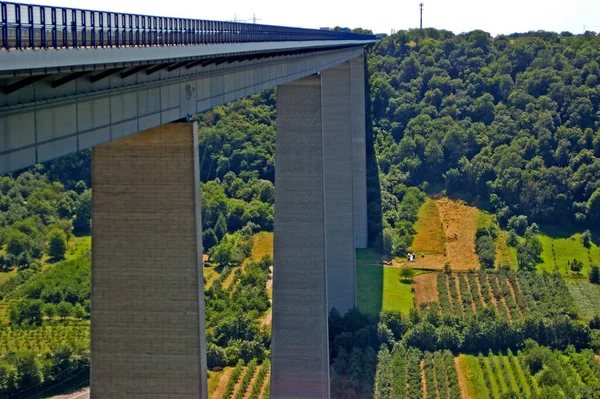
(493, 16)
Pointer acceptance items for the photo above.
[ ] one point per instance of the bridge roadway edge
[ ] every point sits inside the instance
(37, 129)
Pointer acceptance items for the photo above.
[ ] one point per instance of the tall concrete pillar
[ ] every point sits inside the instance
(359, 150)
(338, 186)
(147, 331)
(299, 343)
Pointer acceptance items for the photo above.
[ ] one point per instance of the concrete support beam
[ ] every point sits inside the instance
(300, 348)
(359, 151)
(147, 331)
(338, 182)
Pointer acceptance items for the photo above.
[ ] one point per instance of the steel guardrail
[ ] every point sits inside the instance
(30, 27)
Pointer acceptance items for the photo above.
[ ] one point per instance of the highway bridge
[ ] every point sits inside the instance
(126, 85)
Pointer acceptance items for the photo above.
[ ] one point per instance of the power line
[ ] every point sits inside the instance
(421, 10)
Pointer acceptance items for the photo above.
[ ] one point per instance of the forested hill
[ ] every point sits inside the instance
(511, 122)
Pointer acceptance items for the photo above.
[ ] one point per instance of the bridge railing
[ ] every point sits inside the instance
(26, 26)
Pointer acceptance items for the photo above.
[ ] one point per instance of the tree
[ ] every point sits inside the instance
(83, 213)
(64, 309)
(26, 311)
(407, 273)
(209, 239)
(595, 275)
(528, 252)
(221, 227)
(586, 238)
(593, 207)
(222, 254)
(79, 312)
(49, 310)
(57, 244)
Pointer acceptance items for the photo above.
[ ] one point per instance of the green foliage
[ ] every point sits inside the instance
(528, 252)
(509, 121)
(407, 273)
(595, 275)
(260, 378)
(576, 266)
(26, 311)
(250, 369)
(57, 244)
(83, 213)
(233, 377)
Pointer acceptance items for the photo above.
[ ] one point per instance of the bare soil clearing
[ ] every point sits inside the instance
(445, 233)
(426, 289)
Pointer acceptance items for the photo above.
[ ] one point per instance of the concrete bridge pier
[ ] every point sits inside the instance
(299, 340)
(337, 123)
(147, 332)
(320, 145)
(359, 150)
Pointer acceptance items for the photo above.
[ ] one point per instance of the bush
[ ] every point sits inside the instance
(595, 275)
(586, 238)
(576, 266)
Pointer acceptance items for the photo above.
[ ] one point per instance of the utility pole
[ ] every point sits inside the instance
(254, 19)
(421, 9)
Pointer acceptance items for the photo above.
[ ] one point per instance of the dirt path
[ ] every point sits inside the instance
(425, 286)
(423, 379)
(265, 321)
(264, 387)
(510, 316)
(249, 389)
(218, 393)
(473, 306)
(512, 292)
(460, 302)
(239, 382)
(269, 316)
(462, 380)
(491, 295)
(481, 298)
(435, 379)
(518, 288)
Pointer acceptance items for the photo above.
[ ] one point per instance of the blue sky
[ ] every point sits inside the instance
(498, 16)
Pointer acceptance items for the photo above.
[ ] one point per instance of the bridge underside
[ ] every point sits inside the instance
(48, 113)
(148, 336)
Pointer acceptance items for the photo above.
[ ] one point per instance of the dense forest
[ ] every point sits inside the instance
(510, 123)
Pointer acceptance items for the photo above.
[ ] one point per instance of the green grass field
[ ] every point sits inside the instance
(587, 297)
(567, 249)
(470, 368)
(380, 288)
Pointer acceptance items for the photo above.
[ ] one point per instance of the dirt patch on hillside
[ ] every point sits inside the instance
(460, 223)
(445, 233)
(425, 286)
(429, 232)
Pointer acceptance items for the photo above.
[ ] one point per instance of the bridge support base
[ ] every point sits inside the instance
(147, 329)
